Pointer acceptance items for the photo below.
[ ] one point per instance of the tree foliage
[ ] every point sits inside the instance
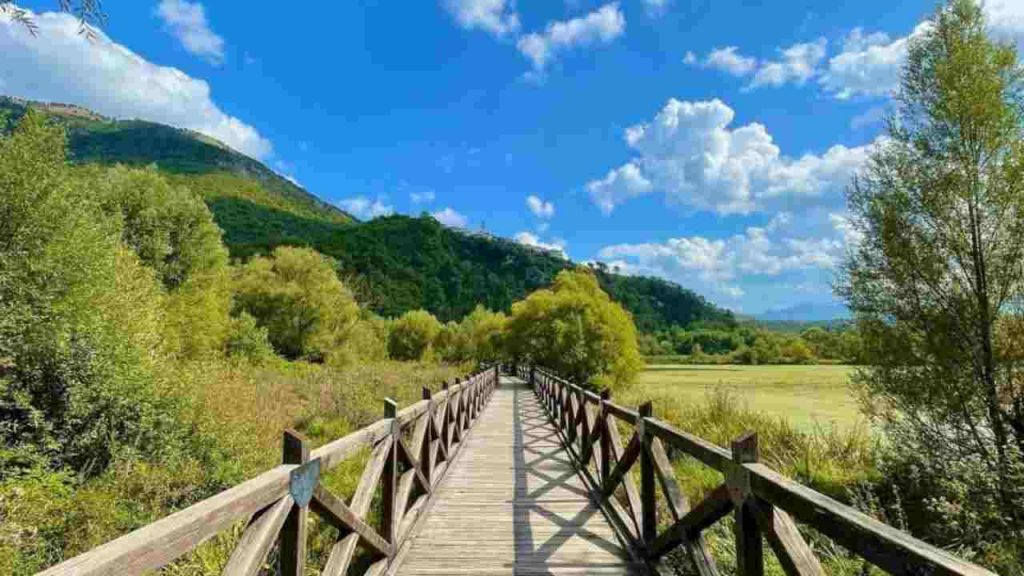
(937, 282)
(412, 335)
(576, 329)
(295, 294)
(81, 341)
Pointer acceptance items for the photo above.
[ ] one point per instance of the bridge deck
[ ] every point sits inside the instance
(513, 504)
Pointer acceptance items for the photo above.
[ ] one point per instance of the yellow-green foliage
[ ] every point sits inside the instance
(478, 337)
(412, 335)
(296, 295)
(575, 329)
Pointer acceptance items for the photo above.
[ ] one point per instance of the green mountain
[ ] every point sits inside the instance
(395, 263)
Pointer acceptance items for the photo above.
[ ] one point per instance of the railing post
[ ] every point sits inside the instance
(749, 545)
(533, 377)
(292, 560)
(426, 462)
(648, 496)
(606, 443)
(389, 479)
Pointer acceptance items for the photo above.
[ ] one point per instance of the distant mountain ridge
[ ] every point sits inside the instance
(807, 312)
(96, 138)
(395, 263)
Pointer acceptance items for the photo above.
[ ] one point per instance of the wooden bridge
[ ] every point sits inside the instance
(520, 474)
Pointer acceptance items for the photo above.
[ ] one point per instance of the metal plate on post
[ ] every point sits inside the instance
(303, 481)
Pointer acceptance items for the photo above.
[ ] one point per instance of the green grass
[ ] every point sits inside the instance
(806, 396)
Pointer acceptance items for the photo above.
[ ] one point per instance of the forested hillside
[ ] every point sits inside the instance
(395, 264)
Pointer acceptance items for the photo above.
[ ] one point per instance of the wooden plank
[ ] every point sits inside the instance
(632, 496)
(696, 548)
(713, 508)
(793, 553)
(251, 551)
(335, 511)
(292, 549)
(513, 503)
(648, 495)
(707, 452)
(886, 547)
(155, 545)
(749, 544)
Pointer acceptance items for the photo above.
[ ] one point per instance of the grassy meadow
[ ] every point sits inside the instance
(806, 396)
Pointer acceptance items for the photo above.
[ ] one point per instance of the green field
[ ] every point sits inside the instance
(805, 395)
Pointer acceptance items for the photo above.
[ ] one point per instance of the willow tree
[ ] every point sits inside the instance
(937, 281)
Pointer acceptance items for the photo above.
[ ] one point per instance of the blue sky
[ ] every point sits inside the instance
(705, 142)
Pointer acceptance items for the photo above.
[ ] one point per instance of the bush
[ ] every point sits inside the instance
(412, 335)
(83, 369)
(297, 297)
(575, 329)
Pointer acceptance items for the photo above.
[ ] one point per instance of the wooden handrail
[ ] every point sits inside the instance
(271, 500)
(764, 502)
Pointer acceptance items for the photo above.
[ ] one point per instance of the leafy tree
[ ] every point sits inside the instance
(82, 363)
(412, 335)
(938, 280)
(296, 295)
(575, 329)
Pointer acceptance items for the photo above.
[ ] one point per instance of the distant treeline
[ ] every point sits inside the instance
(722, 343)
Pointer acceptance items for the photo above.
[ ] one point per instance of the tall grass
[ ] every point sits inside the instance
(241, 410)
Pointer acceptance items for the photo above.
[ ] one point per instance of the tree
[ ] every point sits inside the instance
(574, 328)
(412, 335)
(297, 297)
(937, 279)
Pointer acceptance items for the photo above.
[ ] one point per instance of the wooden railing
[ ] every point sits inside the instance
(276, 503)
(763, 502)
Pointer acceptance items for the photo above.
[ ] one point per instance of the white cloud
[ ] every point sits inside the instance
(728, 60)
(61, 65)
(723, 266)
(451, 218)
(599, 27)
(620, 184)
(690, 152)
(365, 208)
(425, 197)
(528, 239)
(869, 65)
(497, 17)
(540, 208)
(798, 64)
(187, 22)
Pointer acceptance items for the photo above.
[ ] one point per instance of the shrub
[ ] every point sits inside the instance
(296, 295)
(412, 335)
(575, 329)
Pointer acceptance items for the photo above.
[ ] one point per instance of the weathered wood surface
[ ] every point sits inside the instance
(512, 503)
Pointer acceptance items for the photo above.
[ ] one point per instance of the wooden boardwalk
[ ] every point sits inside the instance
(512, 503)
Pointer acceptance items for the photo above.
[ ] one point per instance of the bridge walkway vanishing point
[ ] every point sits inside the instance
(513, 503)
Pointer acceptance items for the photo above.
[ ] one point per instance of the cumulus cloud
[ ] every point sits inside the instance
(365, 208)
(723, 266)
(61, 65)
(451, 218)
(540, 208)
(598, 27)
(869, 65)
(498, 17)
(797, 64)
(690, 152)
(187, 22)
(726, 59)
(528, 239)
